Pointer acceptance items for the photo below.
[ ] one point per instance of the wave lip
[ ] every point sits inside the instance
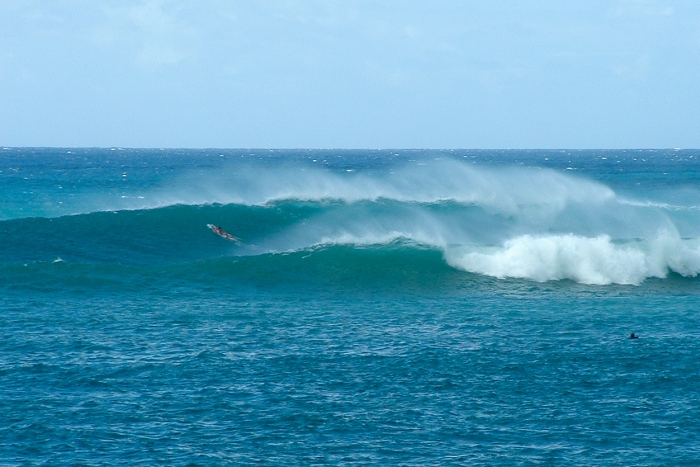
(594, 261)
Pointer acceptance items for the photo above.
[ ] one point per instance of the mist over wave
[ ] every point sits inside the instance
(501, 221)
(503, 189)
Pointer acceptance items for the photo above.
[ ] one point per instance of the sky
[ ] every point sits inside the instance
(350, 73)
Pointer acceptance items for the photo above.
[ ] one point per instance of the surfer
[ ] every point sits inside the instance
(222, 233)
(633, 336)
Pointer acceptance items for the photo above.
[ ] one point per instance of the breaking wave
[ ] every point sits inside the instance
(503, 222)
(596, 260)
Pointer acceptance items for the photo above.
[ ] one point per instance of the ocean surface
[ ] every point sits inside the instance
(388, 307)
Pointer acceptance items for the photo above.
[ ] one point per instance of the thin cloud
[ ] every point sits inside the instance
(156, 34)
(643, 8)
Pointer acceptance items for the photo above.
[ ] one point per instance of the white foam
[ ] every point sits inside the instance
(596, 260)
(652, 204)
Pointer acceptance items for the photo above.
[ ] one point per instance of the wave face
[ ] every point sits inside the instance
(591, 217)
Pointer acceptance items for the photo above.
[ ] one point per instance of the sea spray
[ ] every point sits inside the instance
(501, 220)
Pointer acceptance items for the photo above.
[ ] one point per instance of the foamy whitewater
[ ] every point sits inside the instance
(387, 307)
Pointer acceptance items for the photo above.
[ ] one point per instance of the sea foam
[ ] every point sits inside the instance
(597, 260)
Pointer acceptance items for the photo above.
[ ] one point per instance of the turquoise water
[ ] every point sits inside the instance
(383, 307)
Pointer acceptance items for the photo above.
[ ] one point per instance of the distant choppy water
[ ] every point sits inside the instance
(383, 307)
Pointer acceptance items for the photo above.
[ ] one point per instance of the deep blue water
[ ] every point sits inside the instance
(383, 307)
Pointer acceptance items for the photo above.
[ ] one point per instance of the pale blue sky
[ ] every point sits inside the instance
(350, 74)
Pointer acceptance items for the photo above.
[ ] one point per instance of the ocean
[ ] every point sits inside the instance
(381, 307)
